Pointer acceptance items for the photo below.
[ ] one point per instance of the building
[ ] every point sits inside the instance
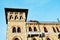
(19, 29)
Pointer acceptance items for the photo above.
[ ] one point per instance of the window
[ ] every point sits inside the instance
(21, 17)
(11, 17)
(16, 39)
(45, 29)
(57, 29)
(35, 29)
(16, 17)
(48, 38)
(30, 29)
(18, 29)
(11, 12)
(54, 29)
(16, 12)
(14, 30)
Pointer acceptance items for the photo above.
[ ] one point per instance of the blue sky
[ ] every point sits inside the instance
(41, 10)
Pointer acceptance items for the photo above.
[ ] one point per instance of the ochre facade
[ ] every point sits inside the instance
(18, 28)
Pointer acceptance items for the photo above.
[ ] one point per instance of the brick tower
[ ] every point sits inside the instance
(15, 20)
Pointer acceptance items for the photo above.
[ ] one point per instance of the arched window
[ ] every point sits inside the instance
(30, 29)
(45, 29)
(16, 17)
(11, 17)
(34, 39)
(16, 39)
(57, 29)
(54, 29)
(35, 29)
(48, 38)
(21, 17)
(14, 30)
(18, 29)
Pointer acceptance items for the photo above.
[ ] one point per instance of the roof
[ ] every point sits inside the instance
(33, 21)
(49, 22)
(16, 10)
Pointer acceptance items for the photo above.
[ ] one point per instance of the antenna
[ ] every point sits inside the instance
(58, 20)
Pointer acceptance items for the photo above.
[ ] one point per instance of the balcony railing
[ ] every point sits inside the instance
(40, 33)
(33, 33)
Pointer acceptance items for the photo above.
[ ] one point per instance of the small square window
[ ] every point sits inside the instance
(16, 12)
(11, 12)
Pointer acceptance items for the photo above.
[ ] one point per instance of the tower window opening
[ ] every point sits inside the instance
(16, 17)
(18, 29)
(14, 30)
(11, 17)
(21, 17)
(11, 12)
(16, 12)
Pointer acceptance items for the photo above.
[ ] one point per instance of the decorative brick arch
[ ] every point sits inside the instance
(16, 38)
(34, 38)
(49, 37)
